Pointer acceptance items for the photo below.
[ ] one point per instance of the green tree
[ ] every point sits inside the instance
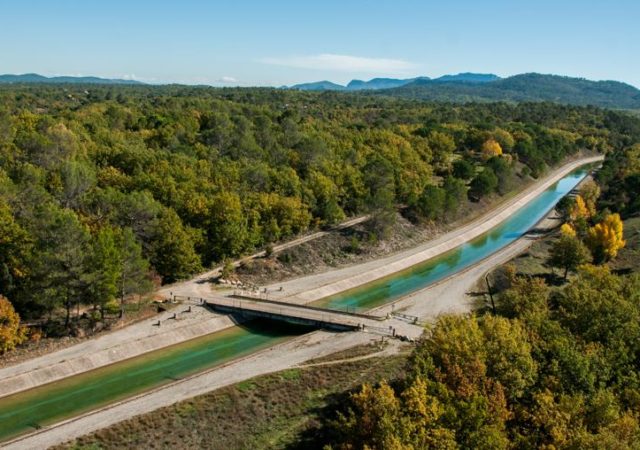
(379, 182)
(15, 248)
(485, 183)
(59, 266)
(173, 249)
(568, 253)
(133, 268)
(442, 146)
(463, 169)
(103, 268)
(456, 194)
(431, 203)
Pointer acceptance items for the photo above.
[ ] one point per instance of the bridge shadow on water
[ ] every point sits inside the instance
(270, 327)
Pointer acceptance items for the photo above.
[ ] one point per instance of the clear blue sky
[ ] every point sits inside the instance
(284, 42)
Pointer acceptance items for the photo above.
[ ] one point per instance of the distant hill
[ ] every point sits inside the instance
(376, 84)
(319, 86)
(526, 87)
(35, 78)
(468, 77)
(380, 83)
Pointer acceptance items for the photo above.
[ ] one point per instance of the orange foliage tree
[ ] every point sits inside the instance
(11, 332)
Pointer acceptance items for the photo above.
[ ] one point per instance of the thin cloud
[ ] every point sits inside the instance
(227, 80)
(342, 63)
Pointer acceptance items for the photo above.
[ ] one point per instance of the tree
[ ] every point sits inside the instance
(590, 192)
(15, 247)
(442, 146)
(380, 184)
(103, 268)
(504, 138)
(325, 194)
(567, 230)
(60, 266)
(501, 166)
(606, 238)
(379, 418)
(568, 253)
(491, 148)
(456, 193)
(483, 184)
(11, 332)
(578, 210)
(431, 202)
(526, 299)
(133, 268)
(173, 249)
(463, 169)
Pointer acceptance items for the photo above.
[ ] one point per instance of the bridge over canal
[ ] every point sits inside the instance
(249, 306)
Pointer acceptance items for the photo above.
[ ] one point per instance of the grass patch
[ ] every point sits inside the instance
(245, 386)
(353, 352)
(291, 374)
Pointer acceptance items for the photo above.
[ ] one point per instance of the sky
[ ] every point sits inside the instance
(274, 43)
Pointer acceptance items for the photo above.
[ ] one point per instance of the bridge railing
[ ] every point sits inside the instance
(350, 311)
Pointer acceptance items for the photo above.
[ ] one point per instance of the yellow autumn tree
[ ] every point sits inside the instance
(578, 210)
(605, 239)
(11, 332)
(491, 148)
(567, 230)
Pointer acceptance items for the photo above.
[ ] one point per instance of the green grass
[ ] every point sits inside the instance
(280, 410)
(353, 352)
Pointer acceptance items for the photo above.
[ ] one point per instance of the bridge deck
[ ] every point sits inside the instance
(306, 315)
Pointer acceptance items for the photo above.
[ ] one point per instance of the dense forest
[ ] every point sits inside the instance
(555, 365)
(105, 190)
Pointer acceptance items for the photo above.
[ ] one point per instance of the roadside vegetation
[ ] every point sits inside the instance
(108, 191)
(281, 410)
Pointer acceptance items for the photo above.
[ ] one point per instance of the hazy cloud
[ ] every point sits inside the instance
(342, 63)
(227, 80)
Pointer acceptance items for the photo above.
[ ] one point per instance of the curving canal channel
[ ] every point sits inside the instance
(47, 404)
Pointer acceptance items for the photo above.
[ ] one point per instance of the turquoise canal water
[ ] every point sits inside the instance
(417, 277)
(28, 410)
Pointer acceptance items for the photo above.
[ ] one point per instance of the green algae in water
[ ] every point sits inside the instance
(53, 402)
